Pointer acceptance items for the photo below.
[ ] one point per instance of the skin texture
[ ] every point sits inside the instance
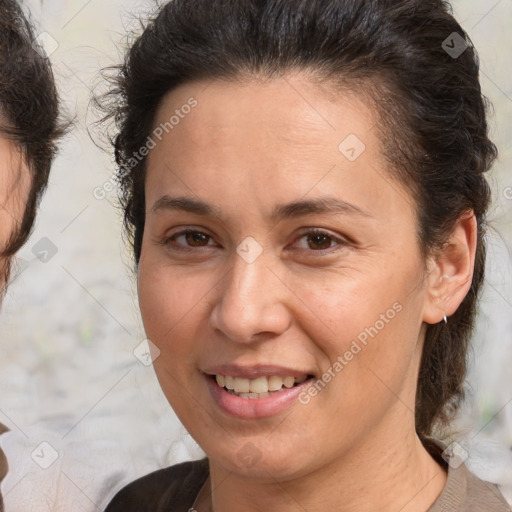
(14, 190)
(245, 148)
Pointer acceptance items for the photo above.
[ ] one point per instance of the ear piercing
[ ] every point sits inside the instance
(444, 318)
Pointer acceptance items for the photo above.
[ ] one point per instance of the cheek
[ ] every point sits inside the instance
(349, 308)
(371, 345)
(172, 302)
(167, 309)
(164, 299)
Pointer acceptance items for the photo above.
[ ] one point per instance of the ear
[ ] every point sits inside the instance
(451, 270)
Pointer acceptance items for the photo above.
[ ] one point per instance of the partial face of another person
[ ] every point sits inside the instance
(264, 292)
(14, 191)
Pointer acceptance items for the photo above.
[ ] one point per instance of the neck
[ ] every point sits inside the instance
(374, 475)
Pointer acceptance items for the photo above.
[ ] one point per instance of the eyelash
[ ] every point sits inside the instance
(169, 241)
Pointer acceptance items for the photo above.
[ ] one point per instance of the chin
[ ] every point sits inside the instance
(245, 459)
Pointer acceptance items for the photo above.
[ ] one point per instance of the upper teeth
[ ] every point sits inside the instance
(258, 385)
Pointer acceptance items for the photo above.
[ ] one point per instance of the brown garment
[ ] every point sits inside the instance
(175, 489)
(465, 492)
(3, 465)
(172, 489)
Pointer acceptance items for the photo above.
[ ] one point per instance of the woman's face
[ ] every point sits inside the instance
(301, 263)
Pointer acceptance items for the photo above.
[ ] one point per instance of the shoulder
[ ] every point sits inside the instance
(464, 491)
(171, 489)
(485, 496)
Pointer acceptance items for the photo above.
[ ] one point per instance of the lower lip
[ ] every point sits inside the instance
(252, 408)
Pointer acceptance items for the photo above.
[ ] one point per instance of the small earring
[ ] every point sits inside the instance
(444, 318)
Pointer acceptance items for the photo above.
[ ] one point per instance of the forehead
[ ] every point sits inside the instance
(264, 143)
(284, 123)
(290, 109)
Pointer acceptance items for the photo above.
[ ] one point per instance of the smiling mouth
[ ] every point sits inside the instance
(260, 387)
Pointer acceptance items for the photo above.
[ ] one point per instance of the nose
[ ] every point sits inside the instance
(251, 302)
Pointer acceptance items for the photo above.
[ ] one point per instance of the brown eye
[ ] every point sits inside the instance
(196, 238)
(320, 242)
(189, 239)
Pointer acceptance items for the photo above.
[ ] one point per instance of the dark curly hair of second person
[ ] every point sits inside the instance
(30, 125)
(29, 111)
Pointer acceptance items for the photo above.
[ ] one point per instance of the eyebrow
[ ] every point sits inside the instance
(323, 205)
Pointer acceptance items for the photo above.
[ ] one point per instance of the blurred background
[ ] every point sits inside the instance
(86, 415)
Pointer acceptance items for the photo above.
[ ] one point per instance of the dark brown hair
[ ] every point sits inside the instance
(410, 56)
(29, 111)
